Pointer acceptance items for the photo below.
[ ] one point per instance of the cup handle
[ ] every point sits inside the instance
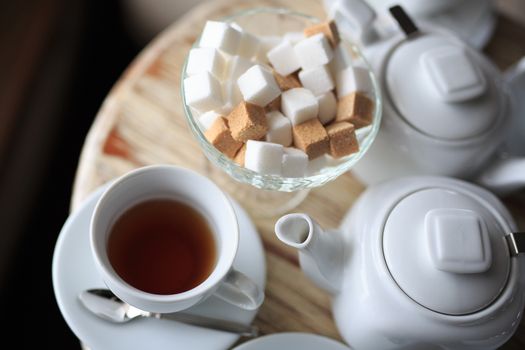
(239, 290)
(504, 176)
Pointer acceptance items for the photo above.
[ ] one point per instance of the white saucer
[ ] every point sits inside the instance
(303, 341)
(74, 271)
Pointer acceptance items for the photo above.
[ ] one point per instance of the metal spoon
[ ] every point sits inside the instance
(106, 305)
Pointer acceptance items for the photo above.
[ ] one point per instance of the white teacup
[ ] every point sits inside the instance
(164, 181)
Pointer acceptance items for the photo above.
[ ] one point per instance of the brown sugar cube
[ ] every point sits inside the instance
(290, 81)
(355, 108)
(275, 105)
(247, 122)
(311, 138)
(220, 136)
(329, 29)
(239, 157)
(343, 140)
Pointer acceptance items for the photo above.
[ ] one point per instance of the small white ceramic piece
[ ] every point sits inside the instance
(203, 92)
(318, 80)
(434, 252)
(222, 36)
(352, 79)
(294, 163)
(314, 51)
(206, 59)
(299, 105)
(327, 107)
(207, 119)
(279, 129)
(263, 157)
(258, 86)
(283, 58)
(74, 271)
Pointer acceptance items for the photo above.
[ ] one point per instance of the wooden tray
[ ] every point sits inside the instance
(142, 122)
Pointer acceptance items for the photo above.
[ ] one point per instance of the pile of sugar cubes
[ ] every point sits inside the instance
(268, 102)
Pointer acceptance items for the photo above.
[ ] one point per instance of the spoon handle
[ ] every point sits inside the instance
(213, 323)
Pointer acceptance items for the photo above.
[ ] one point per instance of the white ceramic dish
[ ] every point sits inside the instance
(74, 271)
(303, 341)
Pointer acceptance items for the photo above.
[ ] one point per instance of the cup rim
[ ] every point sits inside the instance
(213, 279)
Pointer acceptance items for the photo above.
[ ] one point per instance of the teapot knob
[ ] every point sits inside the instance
(458, 241)
(452, 74)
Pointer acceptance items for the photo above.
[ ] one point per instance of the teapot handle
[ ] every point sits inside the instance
(507, 173)
(504, 175)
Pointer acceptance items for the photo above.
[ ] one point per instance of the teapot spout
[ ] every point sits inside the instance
(321, 254)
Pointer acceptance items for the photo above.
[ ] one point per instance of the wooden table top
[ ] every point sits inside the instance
(142, 122)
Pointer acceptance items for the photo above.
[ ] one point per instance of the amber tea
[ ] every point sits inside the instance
(162, 246)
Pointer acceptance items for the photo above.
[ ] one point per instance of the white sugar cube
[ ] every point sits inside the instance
(313, 51)
(263, 157)
(341, 59)
(294, 163)
(258, 86)
(267, 43)
(351, 16)
(353, 79)
(315, 165)
(206, 59)
(293, 37)
(279, 129)
(203, 92)
(318, 80)
(222, 36)
(237, 66)
(299, 105)
(207, 119)
(231, 96)
(249, 45)
(283, 58)
(327, 107)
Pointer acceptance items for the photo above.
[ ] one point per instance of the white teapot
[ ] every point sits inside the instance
(418, 263)
(447, 110)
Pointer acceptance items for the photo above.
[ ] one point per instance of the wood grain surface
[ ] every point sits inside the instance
(142, 122)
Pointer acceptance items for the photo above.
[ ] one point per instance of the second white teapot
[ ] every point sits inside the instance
(418, 263)
(447, 110)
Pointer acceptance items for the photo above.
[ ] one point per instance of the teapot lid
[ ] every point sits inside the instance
(443, 88)
(446, 250)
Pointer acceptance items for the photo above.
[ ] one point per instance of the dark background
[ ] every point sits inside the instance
(84, 47)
